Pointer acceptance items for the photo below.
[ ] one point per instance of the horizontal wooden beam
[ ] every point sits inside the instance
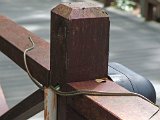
(13, 42)
(27, 108)
(110, 107)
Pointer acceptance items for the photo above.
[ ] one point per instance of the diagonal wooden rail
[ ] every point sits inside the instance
(26, 108)
(79, 55)
(13, 42)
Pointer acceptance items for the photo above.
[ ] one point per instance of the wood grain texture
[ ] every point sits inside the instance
(26, 108)
(14, 40)
(79, 47)
(110, 107)
(79, 43)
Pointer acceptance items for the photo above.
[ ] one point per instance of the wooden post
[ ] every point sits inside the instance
(79, 107)
(79, 46)
(149, 11)
(50, 104)
(79, 42)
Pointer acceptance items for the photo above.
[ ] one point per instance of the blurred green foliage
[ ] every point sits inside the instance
(127, 5)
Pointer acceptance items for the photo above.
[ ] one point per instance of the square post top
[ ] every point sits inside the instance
(79, 10)
(79, 42)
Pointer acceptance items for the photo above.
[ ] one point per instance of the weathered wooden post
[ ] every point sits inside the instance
(79, 55)
(50, 104)
(79, 46)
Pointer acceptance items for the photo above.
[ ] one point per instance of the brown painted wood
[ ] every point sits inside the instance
(73, 115)
(79, 42)
(86, 107)
(3, 104)
(13, 42)
(110, 107)
(27, 108)
(79, 46)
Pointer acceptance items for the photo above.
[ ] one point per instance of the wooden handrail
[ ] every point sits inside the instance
(14, 41)
(26, 108)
